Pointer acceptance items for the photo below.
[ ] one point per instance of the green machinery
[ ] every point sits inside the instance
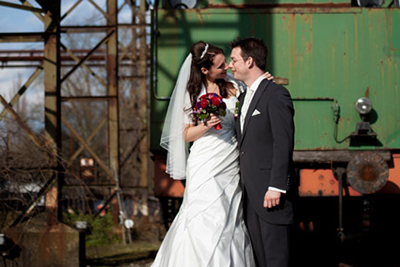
(340, 61)
(327, 54)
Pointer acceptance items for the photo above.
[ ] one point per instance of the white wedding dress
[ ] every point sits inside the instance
(209, 230)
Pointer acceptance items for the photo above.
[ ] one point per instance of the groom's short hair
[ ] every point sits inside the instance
(252, 47)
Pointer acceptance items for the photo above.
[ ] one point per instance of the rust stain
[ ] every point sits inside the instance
(367, 92)
(325, 6)
(390, 30)
(369, 23)
(294, 24)
(356, 34)
(293, 41)
(308, 47)
(199, 16)
(286, 23)
(309, 44)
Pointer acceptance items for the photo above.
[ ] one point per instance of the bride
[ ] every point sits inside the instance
(209, 230)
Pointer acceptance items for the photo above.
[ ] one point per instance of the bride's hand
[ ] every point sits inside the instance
(268, 76)
(212, 120)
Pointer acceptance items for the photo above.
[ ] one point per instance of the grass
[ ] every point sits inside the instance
(113, 254)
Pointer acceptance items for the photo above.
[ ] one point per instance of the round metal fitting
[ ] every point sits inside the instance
(363, 105)
(367, 172)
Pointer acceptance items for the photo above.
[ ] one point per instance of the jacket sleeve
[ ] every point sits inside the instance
(281, 112)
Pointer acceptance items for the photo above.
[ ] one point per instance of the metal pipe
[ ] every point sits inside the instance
(339, 175)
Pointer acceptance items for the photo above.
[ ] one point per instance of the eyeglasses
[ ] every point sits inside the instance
(236, 60)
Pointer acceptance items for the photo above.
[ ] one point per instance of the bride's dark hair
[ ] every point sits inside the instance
(200, 60)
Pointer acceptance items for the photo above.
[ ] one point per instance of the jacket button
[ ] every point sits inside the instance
(241, 153)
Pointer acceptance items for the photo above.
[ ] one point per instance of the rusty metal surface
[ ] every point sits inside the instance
(329, 156)
(52, 106)
(112, 56)
(164, 186)
(68, 57)
(144, 101)
(260, 3)
(367, 172)
(329, 53)
(112, 90)
(392, 186)
(321, 183)
(52, 246)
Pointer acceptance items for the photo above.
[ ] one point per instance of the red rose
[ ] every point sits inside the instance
(204, 103)
(215, 101)
(207, 104)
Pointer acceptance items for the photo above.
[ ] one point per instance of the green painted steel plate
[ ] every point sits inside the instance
(328, 55)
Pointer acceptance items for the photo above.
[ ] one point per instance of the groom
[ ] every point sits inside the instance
(265, 133)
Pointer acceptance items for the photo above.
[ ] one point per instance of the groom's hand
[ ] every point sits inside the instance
(271, 199)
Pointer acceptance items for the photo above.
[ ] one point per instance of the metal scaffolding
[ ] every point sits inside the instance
(119, 69)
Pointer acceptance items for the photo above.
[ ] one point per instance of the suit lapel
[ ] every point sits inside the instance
(241, 100)
(260, 90)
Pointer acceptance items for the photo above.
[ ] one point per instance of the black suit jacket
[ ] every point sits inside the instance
(266, 150)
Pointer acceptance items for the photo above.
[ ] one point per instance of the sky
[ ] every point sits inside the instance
(15, 20)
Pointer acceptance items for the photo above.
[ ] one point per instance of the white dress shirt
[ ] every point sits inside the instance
(248, 97)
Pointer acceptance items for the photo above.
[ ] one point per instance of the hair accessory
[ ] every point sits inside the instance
(204, 52)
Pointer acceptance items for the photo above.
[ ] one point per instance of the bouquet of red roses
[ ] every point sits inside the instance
(207, 104)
